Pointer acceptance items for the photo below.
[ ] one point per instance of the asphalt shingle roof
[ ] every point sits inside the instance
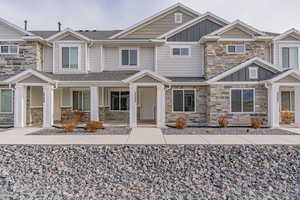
(92, 34)
(95, 76)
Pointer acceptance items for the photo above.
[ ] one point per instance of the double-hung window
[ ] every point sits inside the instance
(6, 97)
(129, 57)
(119, 101)
(70, 59)
(290, 57)
(9, 49)
(81, 100)
(180, 51)
(242, 100)
(236, 49)
(183, 100)
(288, 101)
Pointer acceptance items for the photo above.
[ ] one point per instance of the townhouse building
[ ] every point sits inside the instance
(176, 63)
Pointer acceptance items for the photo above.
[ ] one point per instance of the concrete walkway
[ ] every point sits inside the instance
(144, 136)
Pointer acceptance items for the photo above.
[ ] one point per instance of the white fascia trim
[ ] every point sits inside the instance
(283, 35)
(237, 22)
(19, 76)
(141, 41)
(193, 22)
(238, 83)
(256, 60)
(33, 38)
(188, 83)
(153, 17)
(67, 30)
(288, 72)
(146, 72)
(15, 27)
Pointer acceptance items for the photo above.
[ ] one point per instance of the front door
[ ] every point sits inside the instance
(148, 101)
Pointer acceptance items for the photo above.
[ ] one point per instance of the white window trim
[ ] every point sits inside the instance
(180, 15)
(180, 47)
(129, 66)
(287, 90)
(12, 101)
(235, 53)
(256, 72)
(242, 101)
(282, 45)
(120, 90)
(79, 58)
(195, 104)
(8, 50)
(79, 89)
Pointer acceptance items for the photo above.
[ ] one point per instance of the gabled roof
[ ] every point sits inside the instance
(285, 34)
(207, 15)
(143, 73)
(67, 30)
(135, 26)
(234, 24)
(17, 28)
(255, 60)
(284, 74)
(26, 74)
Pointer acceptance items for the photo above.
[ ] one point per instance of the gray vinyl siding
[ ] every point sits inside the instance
(243, 74)
(189, 66)
(48, 59)
(7, 32)
(95, 58)
(112, 58)
(195, 32)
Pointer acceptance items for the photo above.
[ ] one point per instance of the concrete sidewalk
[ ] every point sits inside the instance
(143, 136)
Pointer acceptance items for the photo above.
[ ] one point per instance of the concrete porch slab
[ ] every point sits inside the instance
(184, 139)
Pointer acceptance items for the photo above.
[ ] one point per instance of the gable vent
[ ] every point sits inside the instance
(178, 18)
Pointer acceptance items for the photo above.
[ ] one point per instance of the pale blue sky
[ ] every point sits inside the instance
(267, 15)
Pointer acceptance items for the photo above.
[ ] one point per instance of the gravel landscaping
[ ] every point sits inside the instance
(149, 172)
(106, 131)
(226, 131)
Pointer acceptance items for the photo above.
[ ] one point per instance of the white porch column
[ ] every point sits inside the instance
(94, 103)
(20, 106)
(48, 102)
(161, 111)
(132, 106)
(297, 106)
(273, 106)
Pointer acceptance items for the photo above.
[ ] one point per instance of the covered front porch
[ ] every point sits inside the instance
(284, 100)
(42, 101)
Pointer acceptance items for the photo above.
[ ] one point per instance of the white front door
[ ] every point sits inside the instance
(148, 101)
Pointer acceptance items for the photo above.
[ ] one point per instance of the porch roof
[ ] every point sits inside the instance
(94, 76)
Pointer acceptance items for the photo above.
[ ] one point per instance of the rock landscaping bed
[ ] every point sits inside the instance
(226, 131)
(106, 131)
(149, 172)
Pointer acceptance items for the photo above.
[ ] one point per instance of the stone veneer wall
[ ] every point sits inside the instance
(114, 116)
(30, 56)
(218, 104)
(218, 61)
(199, 117)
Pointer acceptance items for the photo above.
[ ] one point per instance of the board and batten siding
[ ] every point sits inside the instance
(57, 58)
(184, 66)
(7, 32)
(112, 58)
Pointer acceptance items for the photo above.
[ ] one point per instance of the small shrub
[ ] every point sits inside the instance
(256, 122)
(223, 122)
(287, 117)
(93, 126)
(180, 123)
